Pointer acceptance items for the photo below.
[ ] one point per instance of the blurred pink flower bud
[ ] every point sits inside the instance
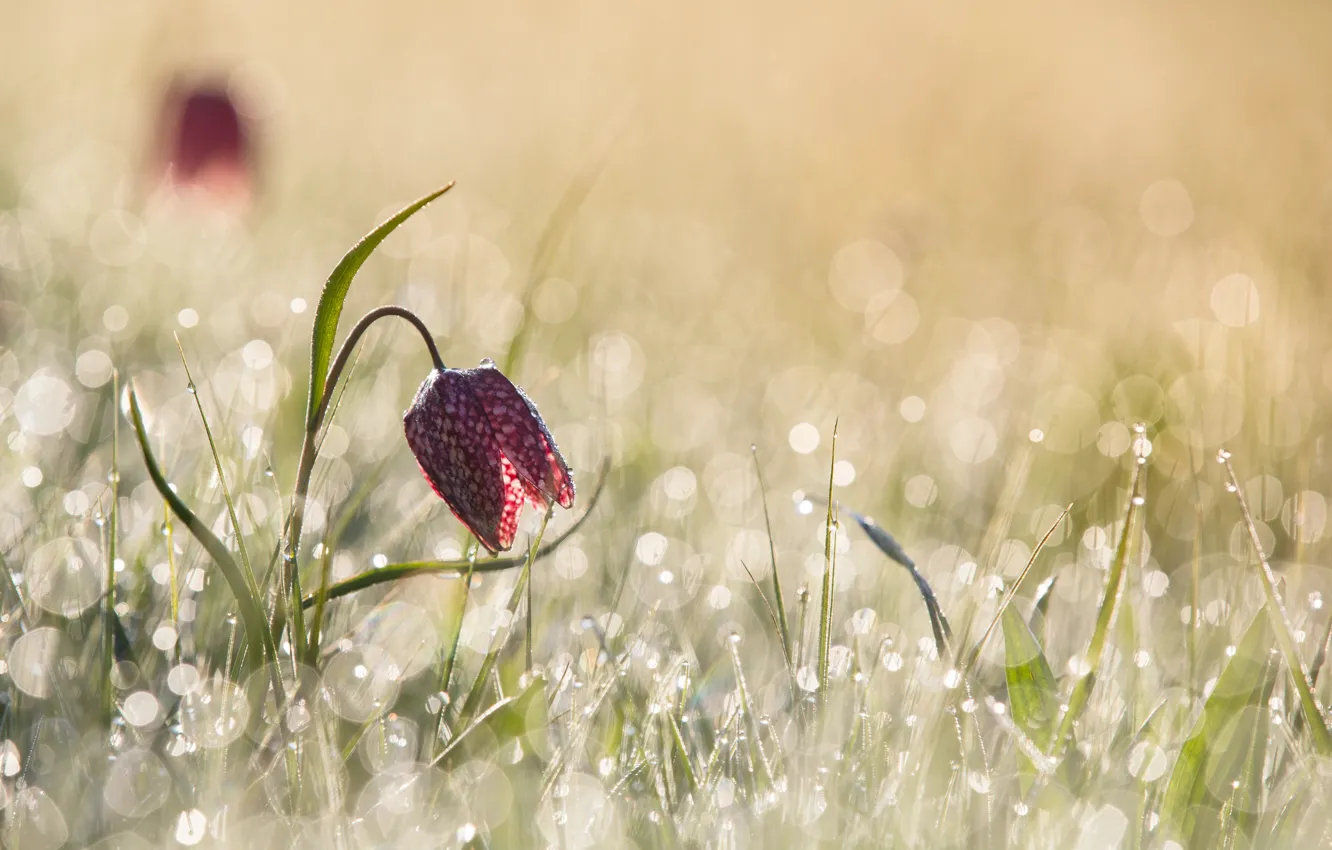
(484, 449)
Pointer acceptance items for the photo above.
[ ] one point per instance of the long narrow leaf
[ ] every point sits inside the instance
(1105, 617)
(783, 630)
(473, 701)
(1033, 693)
(829, 578)
(1228, 741)
(334, 295)
(890, 547)
(1276, 609)
(507, 719)
(251, 614)
(1012, 591)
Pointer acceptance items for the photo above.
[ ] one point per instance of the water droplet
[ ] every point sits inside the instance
(32, 661)
(35, 822)
(215, 713)
(137, 785)
(361, 683)
(10, 763)
(190, 827)
(807, 679)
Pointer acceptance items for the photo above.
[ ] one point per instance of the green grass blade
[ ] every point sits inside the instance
(473, 701)
(221, 473)
(829, 577)
(451, 653)
(110, 622)
(321, 600)
(335, 294)
(1033, 693)
(252, 615)
(1114, 587)
(888, 545)
(1276, 609)
(1228, 741)
(782, 628)
(508, 719)
(1039, 611)
(1008, 597)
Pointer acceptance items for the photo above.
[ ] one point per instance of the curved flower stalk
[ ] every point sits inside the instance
(485, 450)
(479, 440)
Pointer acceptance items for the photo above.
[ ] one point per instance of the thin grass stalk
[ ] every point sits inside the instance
(173, 591)
(321, 601)
(309, 447)
(1195, 603)
(528, 618)
(829, 570)
(446, 675)
(193, 390)
(783, 631)
(112, 523)
(802, 625)
(976, 651)
(1114, 589)
(473, 701)
(1281, 625)
(251, 613)
(750, 720)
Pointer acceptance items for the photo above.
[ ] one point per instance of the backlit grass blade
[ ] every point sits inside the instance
(220, 472)
(1276, 609)
(506, 720)
(1114, 587)
(334, 295)
(943, 633)
(252, 616)
(783, 630)
(110, 621)
(1033, 693)
(474, 696)
(829, 578)
(975, 652)
(1219, 770)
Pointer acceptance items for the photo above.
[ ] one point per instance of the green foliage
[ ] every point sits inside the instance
(1033, 693)
(1217, 780)
(256, 625)
(334, 295)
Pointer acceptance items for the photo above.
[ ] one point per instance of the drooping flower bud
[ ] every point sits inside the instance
(484, 449)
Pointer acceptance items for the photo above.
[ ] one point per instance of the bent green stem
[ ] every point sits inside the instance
(309, 448)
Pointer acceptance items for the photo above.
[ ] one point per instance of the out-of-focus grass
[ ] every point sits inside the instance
(985, 272)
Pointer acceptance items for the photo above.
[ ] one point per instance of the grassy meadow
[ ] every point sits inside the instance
(945, 390)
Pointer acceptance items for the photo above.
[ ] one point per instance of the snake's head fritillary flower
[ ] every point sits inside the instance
(484, 449)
